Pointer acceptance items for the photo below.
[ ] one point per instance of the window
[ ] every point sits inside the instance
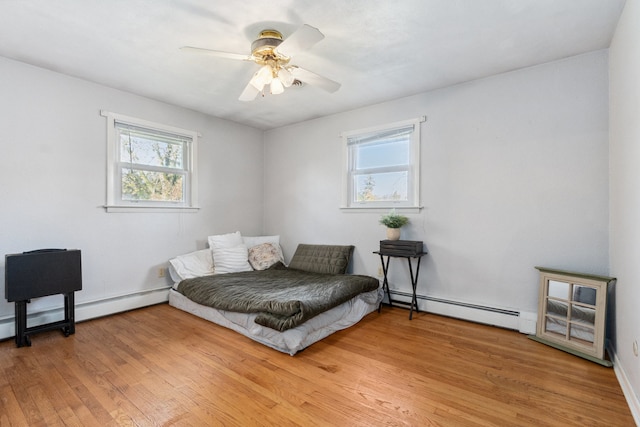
(383, 166)
(150, 166)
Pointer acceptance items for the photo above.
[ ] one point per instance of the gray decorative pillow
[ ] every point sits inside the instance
(332, 259)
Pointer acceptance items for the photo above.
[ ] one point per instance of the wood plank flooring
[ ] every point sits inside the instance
(159, 366)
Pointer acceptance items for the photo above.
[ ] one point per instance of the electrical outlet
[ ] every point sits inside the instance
(380, 272)
(635, 348)
(161, 272)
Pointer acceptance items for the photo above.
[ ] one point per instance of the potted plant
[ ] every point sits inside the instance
(393, 221)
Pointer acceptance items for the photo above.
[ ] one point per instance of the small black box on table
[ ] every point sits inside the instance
(401, 247)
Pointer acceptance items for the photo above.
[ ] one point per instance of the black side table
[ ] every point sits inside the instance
(68, 325)
(41, 273)
(414, 279)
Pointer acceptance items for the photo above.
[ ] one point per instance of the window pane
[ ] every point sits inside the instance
(557, 308)
(558, 289)
(556, 326)
(585, 294)
(380, 154)
(149, 185)
(582, 334)
(583, 315)
(384, 187)
(146, 151)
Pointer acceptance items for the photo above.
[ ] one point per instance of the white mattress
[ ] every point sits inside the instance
(292, 340)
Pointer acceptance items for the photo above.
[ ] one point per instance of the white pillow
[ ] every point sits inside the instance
(231, 260)
(194, 264)
(225, 240)
(264, 256)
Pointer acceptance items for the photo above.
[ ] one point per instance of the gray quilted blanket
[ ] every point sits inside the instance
(282, 297)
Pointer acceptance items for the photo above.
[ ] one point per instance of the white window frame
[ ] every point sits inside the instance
(348, 184)
(115, 203)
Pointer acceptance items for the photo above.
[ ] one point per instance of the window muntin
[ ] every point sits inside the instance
(150, 165)
(382, 166)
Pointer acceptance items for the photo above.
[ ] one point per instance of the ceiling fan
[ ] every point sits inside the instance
(273, 54)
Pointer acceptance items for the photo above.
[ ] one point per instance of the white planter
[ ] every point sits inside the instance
(393, 233)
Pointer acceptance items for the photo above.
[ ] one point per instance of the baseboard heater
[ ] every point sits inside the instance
(458, 303)
(91, 309)
(521, 321)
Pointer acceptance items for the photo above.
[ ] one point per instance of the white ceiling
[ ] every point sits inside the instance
(378, 49)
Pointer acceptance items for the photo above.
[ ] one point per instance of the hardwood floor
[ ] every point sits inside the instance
(160, 366)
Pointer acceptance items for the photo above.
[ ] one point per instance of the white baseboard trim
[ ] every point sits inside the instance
(520, 321)
(625, 385)
(523, 322)
(88, 310)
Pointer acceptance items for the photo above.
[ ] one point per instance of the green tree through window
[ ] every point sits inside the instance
(139, 183)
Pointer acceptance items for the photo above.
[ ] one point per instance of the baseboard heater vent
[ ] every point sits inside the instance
(90, 309)
(458, 303)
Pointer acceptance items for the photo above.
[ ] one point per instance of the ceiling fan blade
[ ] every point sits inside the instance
(217, 53)
(249, 93)
(314, 79)
(303, 38)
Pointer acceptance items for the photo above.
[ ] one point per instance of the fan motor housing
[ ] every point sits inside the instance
(266, 42)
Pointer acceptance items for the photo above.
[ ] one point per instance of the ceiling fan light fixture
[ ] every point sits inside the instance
(285, 76)
(262, 77)
(273, 54)
(276, 86)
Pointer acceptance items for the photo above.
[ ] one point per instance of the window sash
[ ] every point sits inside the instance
(183, 170)
(387, 135)
(144, 174)
(408, 132)
(149, 137)
(380, 155)
(361, 195)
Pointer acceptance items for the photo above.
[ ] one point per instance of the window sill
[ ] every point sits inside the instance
(154, 209)
(382, 209)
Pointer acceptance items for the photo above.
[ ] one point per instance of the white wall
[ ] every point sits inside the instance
(624, 134)
(52, 184)
(514, 175)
